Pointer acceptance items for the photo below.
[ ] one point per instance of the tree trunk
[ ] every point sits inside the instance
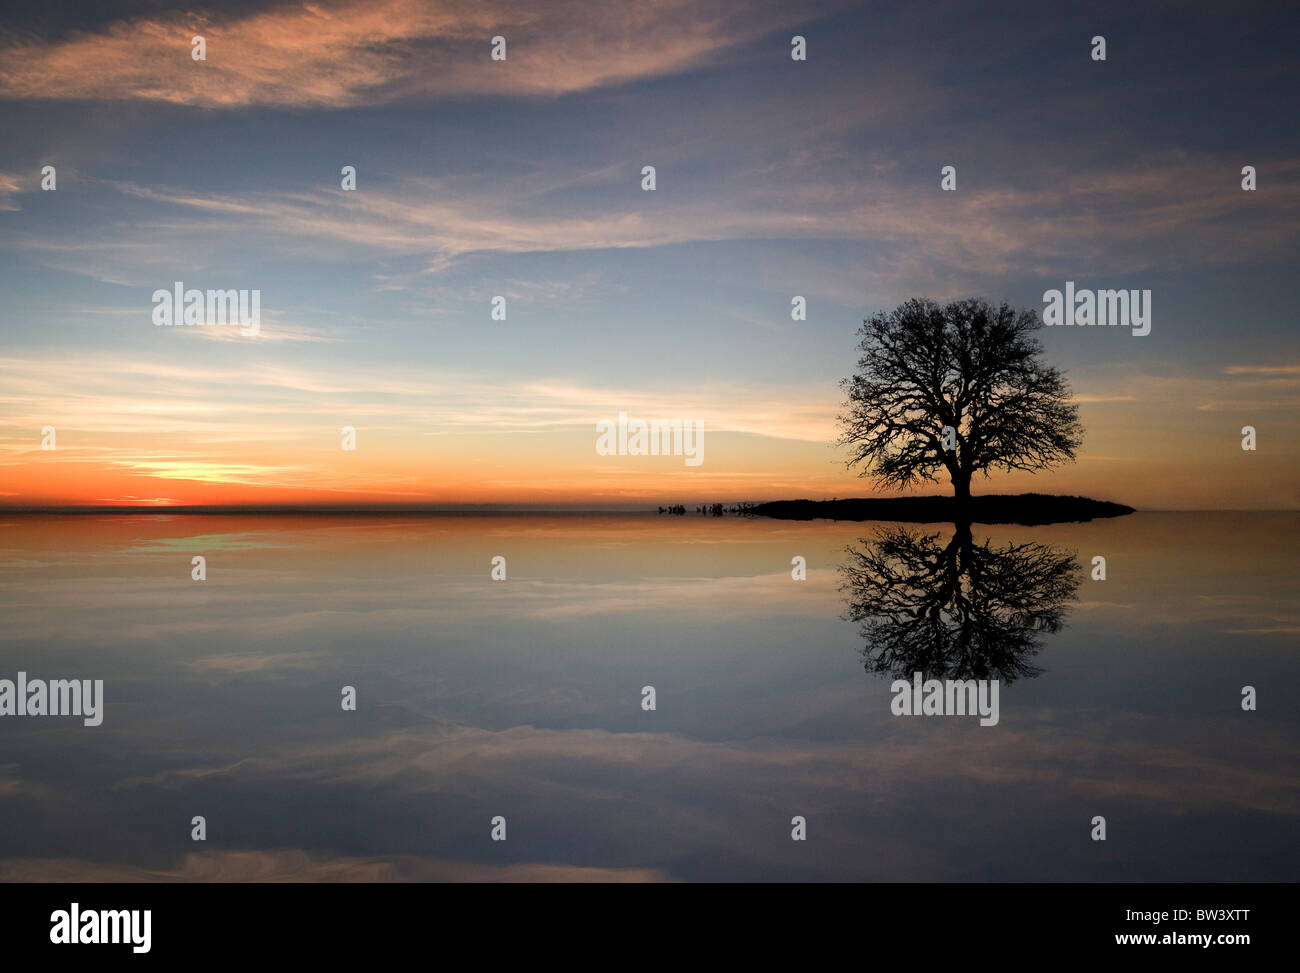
(961, 487)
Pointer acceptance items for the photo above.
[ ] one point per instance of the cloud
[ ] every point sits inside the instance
(107, 395)
(1168, 214)
(10, 185)
(365, 52)
(1178, 387)
(1287, 372)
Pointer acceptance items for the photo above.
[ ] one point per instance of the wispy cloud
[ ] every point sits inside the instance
(1287, 372)
(1171, 213)
(231, 402)
(364, 52)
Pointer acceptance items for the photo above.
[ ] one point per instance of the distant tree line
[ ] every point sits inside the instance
(713, 509)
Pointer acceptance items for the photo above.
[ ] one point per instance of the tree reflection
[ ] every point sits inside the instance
(956, 611)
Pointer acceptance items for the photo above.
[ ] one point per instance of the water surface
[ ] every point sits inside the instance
(522, 699)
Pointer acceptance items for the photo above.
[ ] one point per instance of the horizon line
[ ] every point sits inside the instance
(452, 509)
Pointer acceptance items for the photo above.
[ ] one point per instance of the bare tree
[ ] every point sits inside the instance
(958, 387)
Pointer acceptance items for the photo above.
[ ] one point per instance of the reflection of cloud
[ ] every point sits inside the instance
(768, 718)
(13, 785)
(306, 866)
(242, 662)
(251, 604)
(657, 800)
(243, 540)
(1119, 761)
(741, 594)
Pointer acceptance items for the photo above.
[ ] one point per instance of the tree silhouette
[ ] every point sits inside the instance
(959, 610)
(967, 366)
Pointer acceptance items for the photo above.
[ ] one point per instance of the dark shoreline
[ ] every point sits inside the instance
(1029, 509)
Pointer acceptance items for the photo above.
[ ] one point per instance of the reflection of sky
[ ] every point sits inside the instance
(522, 699)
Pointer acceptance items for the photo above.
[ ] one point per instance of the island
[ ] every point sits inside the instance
(1029, 509)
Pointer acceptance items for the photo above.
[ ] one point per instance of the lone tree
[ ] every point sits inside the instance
(958, 387)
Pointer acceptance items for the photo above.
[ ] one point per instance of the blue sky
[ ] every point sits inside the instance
(522, 178)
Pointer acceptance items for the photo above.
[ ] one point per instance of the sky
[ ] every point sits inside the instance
(522, 178)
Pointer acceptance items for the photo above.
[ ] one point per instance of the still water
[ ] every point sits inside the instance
(523, 699)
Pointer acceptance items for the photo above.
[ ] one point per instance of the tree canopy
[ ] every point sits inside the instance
(959, 387)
